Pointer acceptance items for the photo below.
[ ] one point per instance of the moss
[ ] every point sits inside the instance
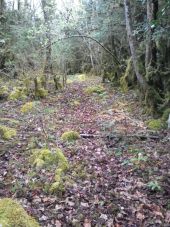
(3, 92)
(57, 82)
(6, 132)
(27, 107)
(124, 78)
(44, 156)
(95, 89)
(40, 92)
(18, 93)
(155, 124)
(13, 215)
(75, 103)
(70, 136)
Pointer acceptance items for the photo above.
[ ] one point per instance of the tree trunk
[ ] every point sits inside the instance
(48, 59)
(151, 51)
(131, 41)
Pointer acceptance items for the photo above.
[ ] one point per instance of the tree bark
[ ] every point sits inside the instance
(132, 46)
(48, 59)
(151, 51)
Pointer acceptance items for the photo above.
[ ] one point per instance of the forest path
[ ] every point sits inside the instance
(110, 167)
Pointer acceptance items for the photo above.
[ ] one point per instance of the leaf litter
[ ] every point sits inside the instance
(109, 173)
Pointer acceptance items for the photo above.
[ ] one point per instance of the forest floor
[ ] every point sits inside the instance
(118, 173)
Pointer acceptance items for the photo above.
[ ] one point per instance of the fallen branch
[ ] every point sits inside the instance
(140, 136)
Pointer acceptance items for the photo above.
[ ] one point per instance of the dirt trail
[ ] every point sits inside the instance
(109, 169)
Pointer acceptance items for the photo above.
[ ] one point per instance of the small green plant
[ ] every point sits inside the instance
(154, 186)
(155, 124)
(27, 107)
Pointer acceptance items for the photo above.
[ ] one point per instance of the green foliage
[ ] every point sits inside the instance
(154, 186)
(70, 136)
(7, 133)
(13, 215)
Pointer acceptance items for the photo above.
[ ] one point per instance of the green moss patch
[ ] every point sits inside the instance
(155, 124)
(45, 157)
(95, 89)
(13, 215)
(27, 107)
(3, 92)
(6, 132)
(18, 93)
(70, 136)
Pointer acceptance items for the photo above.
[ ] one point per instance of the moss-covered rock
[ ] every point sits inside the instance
(18, 93)
(13, 215)
(27, 107)
(70, 136)
(6, 132)
(95, 89)
(155, 124)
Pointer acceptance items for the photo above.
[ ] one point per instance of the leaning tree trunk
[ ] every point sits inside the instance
(132, 46)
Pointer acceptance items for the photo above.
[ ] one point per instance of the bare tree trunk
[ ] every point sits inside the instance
(151, 51)
(131, 41)
(48, 61)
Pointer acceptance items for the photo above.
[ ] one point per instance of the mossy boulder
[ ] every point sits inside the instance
(155, 124)
(3, 92)
(7, 133)
(18, 93)
(95, 89)
(27, 107)
(13, 215)
(70, 136)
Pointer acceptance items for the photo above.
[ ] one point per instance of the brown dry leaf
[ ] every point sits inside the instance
(87, 223)
(167, 217)
(57, 223)
(140, 216)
